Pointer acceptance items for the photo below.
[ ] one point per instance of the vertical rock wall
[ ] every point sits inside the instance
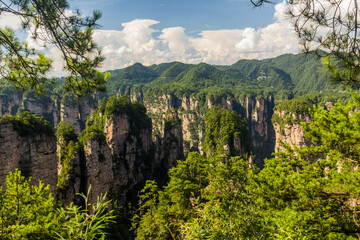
(33, 155)
(120, 164)
(291, 133)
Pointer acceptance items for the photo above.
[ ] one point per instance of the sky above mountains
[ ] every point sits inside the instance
(190, 31)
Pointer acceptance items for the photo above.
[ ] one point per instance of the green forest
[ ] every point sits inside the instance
(301, 192)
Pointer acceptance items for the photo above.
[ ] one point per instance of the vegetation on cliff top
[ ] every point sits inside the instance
(111, 107)
(224, 130)
(27, 124)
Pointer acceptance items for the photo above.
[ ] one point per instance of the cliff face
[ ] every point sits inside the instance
(129, 154)
(42, 106)
(191, 112)
(34, 155)
(9, 104)
(262, 135)
(121, 163)
(290, 132)
(118, 163)
(169, 149)
(76, 112)
(54, 110)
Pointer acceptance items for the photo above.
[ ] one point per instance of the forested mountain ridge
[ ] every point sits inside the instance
(297, 74)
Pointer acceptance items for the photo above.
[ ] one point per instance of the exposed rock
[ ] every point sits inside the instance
(122, 163)
(291, 134)
(9, 104)
(42, 106)
(33, 155)
(77, 112)
(173, 140)
(71, 115)
(262, 134)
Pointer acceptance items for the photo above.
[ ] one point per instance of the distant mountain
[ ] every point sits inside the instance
(306, 72)
(295, 74)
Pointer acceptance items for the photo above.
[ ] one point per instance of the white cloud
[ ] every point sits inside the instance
(249, 39)
(176, 39)
(10, 20)
(138, 35)
(275, 39)
(139, 41)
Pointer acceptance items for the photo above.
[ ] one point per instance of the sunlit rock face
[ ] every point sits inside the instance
(292, 133)
(120, 164)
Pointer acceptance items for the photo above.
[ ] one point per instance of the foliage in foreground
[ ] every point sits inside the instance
(30, 212)
(302, 193)
(25, 68)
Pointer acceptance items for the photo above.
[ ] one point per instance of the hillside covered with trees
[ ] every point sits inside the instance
(284, 77)
(116, 174)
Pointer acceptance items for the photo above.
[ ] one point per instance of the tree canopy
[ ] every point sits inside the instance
(51, 23)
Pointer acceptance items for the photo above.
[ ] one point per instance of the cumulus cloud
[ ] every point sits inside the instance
(275, 39)
(140, 41)
(137, 42)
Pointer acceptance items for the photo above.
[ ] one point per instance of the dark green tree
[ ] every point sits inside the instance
(312, 191)
(225, 133)
(204, 199)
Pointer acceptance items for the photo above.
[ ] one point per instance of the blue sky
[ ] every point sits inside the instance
(193, 15)
(190, 31)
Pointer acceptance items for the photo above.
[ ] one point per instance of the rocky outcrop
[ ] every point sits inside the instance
(258, 112)
(290, 132)
(42, 106)
(10, 103)
(121, 163)
(169, 149)
(191, 111)
(117, 160)
(262, 134)
(54, 109)
(75, 112)
(34, 155)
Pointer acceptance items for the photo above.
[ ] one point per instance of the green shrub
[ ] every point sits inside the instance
(27, 124)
